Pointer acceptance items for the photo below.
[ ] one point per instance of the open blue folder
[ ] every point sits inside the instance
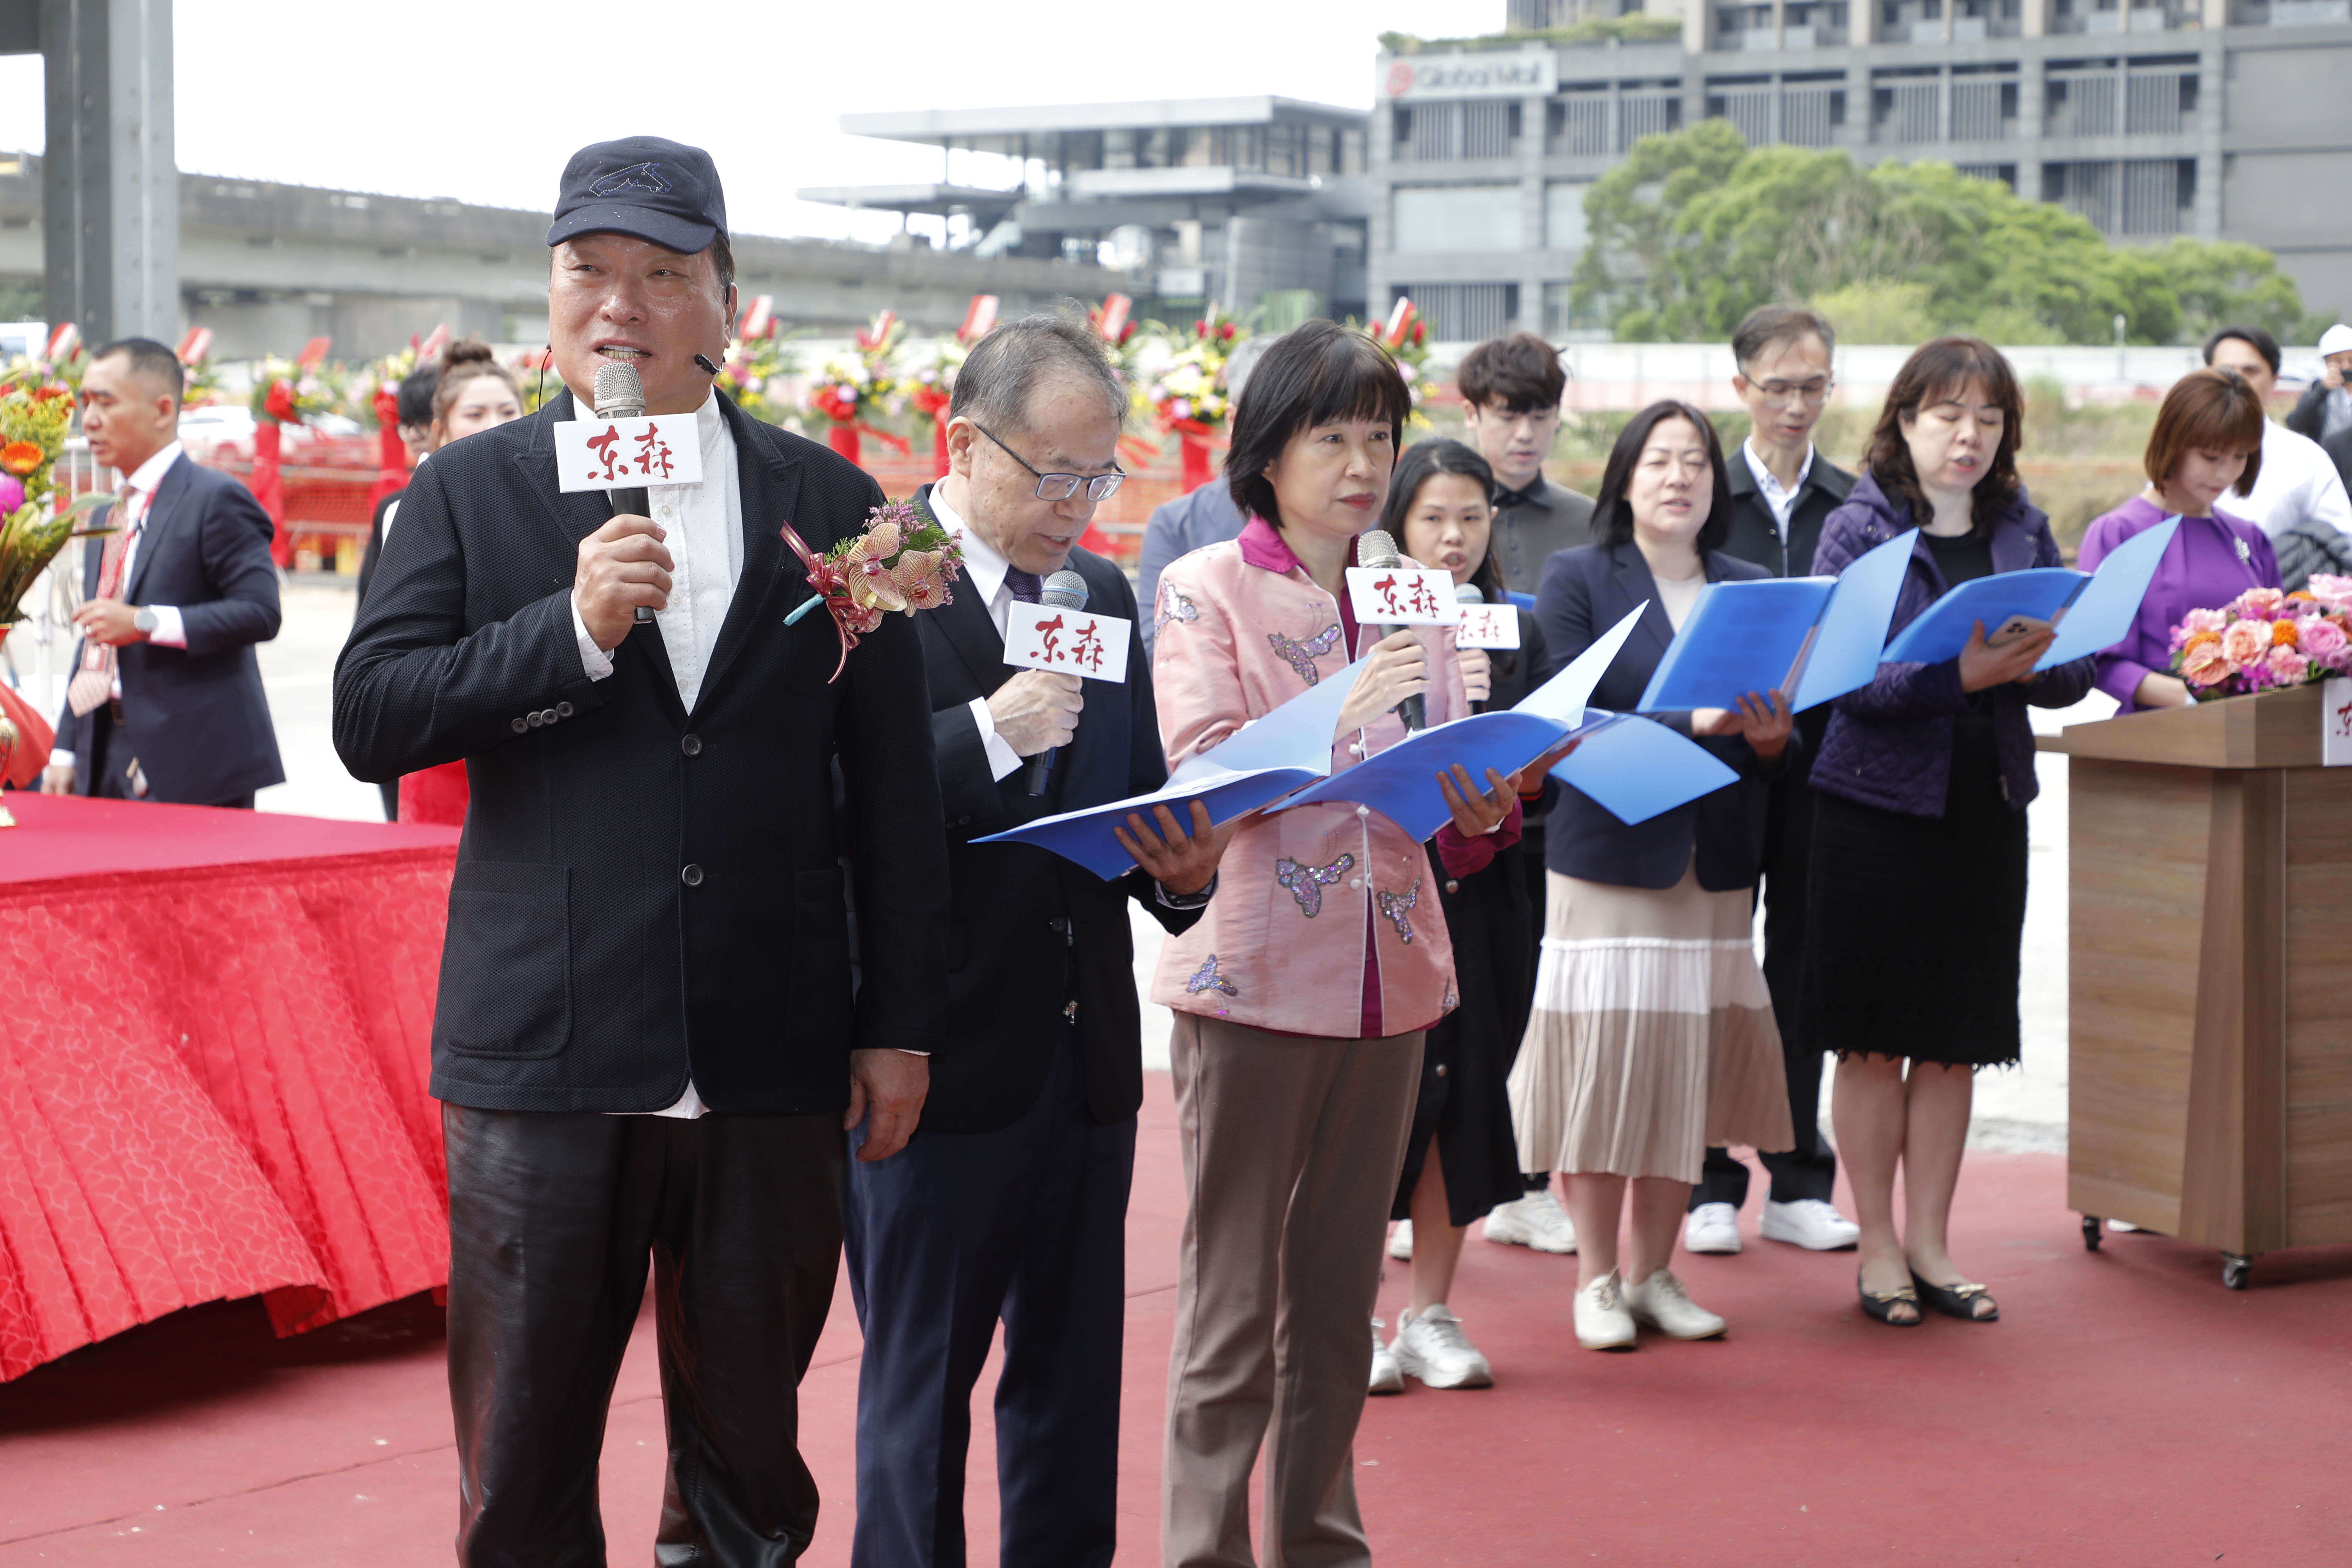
(1809, 639)
(2092, 610)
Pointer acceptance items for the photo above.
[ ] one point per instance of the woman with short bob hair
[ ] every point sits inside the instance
(1918, 872)
(1653, 1035)
(2207, 444)
(1302, 995)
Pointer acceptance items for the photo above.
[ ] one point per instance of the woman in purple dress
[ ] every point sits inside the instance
(2208, 443)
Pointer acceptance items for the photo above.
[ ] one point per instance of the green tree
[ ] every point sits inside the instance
(1696, 229)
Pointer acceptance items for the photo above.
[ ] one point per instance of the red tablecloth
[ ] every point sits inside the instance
(214, 1036)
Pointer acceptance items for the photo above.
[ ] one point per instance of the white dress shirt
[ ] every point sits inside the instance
(171, 629)
(1781, 500)
(704, 528)
(985, 570)
(2298, 480)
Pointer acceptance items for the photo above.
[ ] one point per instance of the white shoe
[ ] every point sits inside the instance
(1400, 1241)
(1712, 1227)
(1602, 1321)
(1433, 1348)
(1809, 1222)
(1386, 1378)
(1536, 1221)
(1663, 1303)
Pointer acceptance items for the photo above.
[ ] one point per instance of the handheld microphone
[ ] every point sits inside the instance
(621, 395)
(1375, 548)
(1062, 591)
(1471, 594)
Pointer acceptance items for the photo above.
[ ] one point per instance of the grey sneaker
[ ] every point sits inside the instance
(1386, 1378)
(1663, 1303)
(1536, 1221)
(1433, 1348)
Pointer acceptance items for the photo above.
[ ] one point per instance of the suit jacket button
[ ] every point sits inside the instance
(691, 744)
(563, 710)
(534, 718)
(1441, 1069)
(519, 725)
(1058, 925)
(691, 876)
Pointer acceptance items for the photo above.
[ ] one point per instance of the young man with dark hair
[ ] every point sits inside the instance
(1781, 492)
(1511, 389)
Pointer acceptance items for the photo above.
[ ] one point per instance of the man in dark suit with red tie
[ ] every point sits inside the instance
(1011, 1202)
(647, 1040)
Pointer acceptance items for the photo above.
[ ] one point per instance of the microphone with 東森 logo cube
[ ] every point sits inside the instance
(623, 450)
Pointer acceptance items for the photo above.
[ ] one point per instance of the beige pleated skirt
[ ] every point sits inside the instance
(1651, 1037)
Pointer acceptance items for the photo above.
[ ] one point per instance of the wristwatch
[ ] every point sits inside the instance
(144, 622)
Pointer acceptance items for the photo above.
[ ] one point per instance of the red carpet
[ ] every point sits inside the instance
(2127, 1410)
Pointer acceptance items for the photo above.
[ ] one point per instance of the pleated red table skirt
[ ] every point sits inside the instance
(214, 1043)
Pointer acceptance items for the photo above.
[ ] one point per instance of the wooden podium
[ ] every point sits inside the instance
(2211, 1012)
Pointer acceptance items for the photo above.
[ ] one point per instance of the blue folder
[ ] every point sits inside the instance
(2092, 610)
(1810, 638)
(1636, 768)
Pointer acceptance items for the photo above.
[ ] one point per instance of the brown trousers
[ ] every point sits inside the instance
(1291, 1152)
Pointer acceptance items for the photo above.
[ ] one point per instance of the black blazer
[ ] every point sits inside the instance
(1586, 592)
(1754, 535)
(196, 716)
(641, 889)
(1031, 930)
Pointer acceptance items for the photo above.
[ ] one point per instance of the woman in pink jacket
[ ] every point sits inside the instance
(1301, 996)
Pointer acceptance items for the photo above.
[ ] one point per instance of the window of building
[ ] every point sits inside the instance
(1455, 217)
(1463, 312)
(1564, 318)
(1564, 221)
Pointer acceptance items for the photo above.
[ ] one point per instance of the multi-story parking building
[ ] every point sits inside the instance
(2217, 119)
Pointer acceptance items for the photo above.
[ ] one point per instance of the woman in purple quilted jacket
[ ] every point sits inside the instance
(1919, 905)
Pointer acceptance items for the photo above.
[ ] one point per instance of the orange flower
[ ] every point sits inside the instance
(2198, 639)
(21, 458)
(2282, 634)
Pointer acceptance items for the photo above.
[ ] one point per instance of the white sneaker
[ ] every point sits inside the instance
(1602, 1321)
(1535, 1220)
(1809, 1222)
(1663, 1303)
(1386, 1378)
(1712, 1227)
(1400, 1241)
(1433, 1348)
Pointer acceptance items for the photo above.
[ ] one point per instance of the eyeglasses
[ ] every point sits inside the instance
(1813, 392)
(1100, 488)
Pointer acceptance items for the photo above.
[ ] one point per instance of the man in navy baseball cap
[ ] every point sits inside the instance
(656, 190)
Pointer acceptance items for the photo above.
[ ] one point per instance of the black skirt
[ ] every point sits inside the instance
(1465, 1060)
(1913, 936)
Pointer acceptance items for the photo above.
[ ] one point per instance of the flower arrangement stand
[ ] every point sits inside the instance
(2209, 1064)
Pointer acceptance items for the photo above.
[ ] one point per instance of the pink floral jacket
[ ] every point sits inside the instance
(1242, 629)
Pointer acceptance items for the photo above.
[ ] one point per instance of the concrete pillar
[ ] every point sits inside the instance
(110, 190)
(2212, 88)
(2034, 17)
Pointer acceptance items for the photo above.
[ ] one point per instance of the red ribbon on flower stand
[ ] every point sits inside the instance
(390, 451)
(269, 491)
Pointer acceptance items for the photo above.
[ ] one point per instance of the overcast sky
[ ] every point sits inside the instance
(483, 101)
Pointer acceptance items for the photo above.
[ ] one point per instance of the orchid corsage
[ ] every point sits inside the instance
(904, 561)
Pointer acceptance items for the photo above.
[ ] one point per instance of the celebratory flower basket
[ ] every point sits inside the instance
(2265, 640)
(34, 420)
(1405, 336)
(1188, 396)
(849, 390)
(902, 562)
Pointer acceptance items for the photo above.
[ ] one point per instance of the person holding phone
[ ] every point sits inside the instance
(1653, 1034)
(1918, 878)
(1461, 1161)
(2207, 444)
(1302, 996)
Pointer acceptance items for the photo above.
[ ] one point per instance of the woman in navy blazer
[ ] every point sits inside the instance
(1653, 1036)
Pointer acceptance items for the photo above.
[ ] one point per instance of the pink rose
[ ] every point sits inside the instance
(2205, 666)
(2245, 642)
(2319, 637)
(2204, 621)
(2288, 667)
(2330, 589)
(2263, 602)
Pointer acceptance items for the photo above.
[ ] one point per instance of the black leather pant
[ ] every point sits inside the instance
(551, 1218)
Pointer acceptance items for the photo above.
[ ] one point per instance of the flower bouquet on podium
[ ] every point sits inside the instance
(904, 561)
(2265, 640)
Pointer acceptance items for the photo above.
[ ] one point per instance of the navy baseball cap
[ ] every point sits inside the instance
(642, 185)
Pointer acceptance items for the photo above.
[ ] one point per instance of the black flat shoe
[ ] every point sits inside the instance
(1957, 1300)
(1881, 1304)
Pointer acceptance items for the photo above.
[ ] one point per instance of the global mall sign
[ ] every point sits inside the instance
(1532, 73)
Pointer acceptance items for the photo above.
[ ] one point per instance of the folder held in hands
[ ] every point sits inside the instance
(1809, 639)
(2091, 610)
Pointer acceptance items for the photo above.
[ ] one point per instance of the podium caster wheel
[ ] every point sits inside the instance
(2093, 1233)
(2235, 1270)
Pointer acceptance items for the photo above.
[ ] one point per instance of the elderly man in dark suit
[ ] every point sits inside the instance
(1782, 490)
(647, 1039)
(1011, 1202)
(165, 701)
